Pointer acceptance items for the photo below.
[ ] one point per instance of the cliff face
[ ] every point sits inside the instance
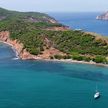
(22, 53)
(103, 16)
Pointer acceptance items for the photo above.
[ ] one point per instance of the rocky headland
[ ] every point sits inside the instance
(103, 16)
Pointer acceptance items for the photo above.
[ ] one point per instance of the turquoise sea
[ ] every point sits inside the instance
(40, 84)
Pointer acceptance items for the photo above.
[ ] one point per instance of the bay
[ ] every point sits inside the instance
(40, 84)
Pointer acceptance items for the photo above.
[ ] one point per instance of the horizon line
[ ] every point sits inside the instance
(53, 11)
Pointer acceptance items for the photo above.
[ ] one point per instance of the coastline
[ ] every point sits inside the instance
(53, 60)
(75, 61)
(13, 48)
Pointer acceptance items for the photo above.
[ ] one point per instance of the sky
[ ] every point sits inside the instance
(56, 5)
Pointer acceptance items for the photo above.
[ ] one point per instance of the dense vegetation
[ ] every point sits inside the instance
(29, 29)
(79, 45)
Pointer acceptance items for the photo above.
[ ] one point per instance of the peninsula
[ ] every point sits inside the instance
(38, 36)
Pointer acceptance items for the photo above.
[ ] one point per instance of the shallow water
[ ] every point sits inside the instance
(39, 84)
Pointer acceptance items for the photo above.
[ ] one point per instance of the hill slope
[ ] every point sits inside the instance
(26, 16)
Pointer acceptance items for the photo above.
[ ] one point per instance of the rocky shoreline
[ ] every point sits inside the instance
(31, 57)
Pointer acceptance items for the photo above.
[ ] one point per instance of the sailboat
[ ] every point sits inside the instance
(97, 94)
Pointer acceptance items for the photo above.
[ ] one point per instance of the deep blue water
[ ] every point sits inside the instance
(40, 84)
(84, 21)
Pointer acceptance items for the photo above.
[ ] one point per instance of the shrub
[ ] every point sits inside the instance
(100, 59)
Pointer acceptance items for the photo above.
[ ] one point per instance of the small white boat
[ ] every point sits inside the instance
(16, 58)
(97, 95)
